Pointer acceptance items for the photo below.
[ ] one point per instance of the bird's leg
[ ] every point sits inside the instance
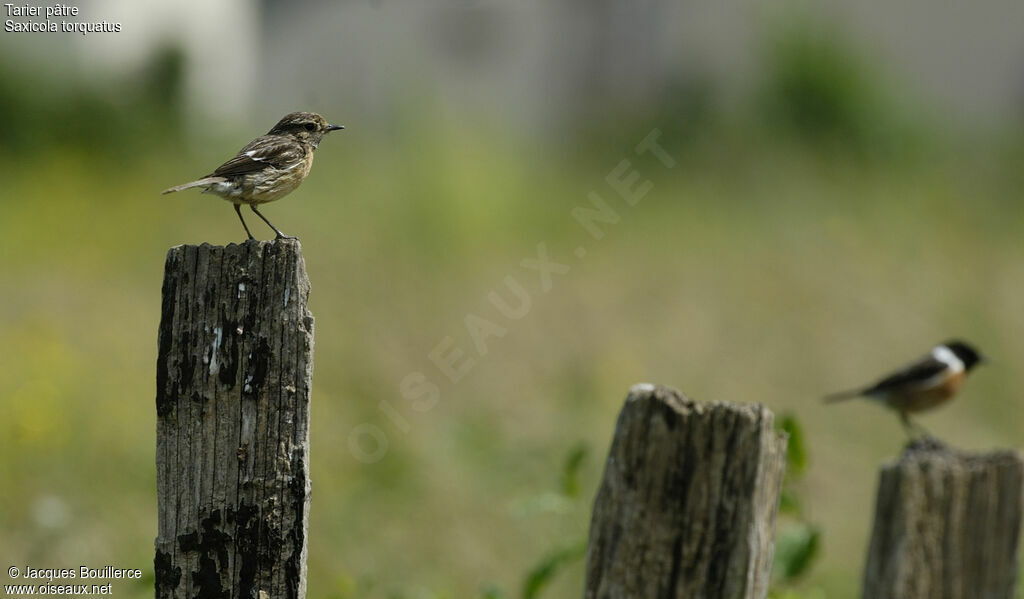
(238, 211)
(917, 433)
(280, 235)
(908, 426)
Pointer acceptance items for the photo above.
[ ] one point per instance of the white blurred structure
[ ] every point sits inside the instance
(530, 61)
(527, 63)
(221, 40)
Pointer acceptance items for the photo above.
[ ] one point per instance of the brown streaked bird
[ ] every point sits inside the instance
(269, 167)
(924, 384)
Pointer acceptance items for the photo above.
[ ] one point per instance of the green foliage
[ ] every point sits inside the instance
(110, 118)
(789, 502)
(544, 572)
(796, 463)
(819, 88)
(796, 450)
(571, 472)
(796, 548)
(549, 566)
(798, 543)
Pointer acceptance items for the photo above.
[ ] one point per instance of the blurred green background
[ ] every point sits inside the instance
(827, 219)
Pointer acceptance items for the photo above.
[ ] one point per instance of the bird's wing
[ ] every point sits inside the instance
(914, 374)
(269, 150)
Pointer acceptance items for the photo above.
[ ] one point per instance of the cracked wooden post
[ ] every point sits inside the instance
(688, 501)
(947, 525)
(234, 367)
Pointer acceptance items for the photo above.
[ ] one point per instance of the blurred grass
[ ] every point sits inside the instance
(764, 267)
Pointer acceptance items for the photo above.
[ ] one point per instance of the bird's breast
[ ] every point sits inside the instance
(917, 399)
(275, 183)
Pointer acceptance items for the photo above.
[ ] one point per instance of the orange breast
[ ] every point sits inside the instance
(925, 398)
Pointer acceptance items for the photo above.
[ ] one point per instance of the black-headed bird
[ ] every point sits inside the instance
(924, 384)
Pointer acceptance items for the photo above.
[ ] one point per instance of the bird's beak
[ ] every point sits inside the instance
(334, 127)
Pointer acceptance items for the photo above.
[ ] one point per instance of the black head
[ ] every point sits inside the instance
(967, 354)
(304, 126)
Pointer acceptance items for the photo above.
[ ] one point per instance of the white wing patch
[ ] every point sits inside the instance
(954, 366)
(223, 189)
(252, 154)
(946, 356)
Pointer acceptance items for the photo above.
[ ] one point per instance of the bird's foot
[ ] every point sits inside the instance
(926, 442)
(281, 235)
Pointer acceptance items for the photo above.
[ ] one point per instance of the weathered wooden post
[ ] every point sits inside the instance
(232, 401)
(688, 501)
(947, 526)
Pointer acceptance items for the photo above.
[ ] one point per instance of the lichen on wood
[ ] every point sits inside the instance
(234, 373)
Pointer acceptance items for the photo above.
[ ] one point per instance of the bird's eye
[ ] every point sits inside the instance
(309, 126)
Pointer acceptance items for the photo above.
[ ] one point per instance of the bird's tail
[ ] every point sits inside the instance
(205, 181)
(843, 395)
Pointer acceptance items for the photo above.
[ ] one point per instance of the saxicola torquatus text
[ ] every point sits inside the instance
(269, 167)
(924, 384)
